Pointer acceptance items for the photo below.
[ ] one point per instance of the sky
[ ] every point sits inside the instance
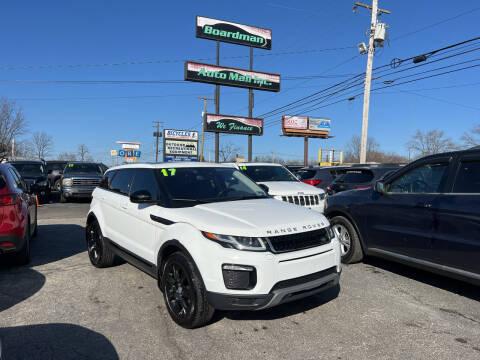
(93, 40)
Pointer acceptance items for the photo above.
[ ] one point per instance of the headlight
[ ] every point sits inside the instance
(67, 182)
(237, 242)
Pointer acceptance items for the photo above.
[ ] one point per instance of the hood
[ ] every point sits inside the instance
(291, 188)
(258, 217)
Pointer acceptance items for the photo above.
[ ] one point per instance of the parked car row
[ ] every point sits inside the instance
(44, 177)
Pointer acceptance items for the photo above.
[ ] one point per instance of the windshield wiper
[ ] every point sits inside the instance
(198, 201)
(250, 197)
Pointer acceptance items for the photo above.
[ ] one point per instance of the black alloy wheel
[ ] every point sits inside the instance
(178, 290)
(184, 292)
(98, 251)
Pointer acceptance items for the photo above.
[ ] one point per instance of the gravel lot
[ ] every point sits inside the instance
(61, 307)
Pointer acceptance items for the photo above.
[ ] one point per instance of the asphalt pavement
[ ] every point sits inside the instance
(61, 307)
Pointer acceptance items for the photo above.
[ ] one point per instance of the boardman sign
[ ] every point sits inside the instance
(180, 145)
(233, 124)
(219, 30)
(181, 134)
(231, 76)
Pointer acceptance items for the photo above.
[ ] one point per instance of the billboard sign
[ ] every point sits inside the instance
(226, 31)
(227, 76)
(181, 134)
(319, 124)
(295, 122)
(180, 145)
(233, 124)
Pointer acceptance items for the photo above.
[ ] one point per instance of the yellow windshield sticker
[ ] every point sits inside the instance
(172, 172)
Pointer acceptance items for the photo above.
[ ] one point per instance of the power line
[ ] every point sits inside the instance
(168, 61)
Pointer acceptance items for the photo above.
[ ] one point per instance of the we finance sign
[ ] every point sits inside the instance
(226, 31)
(234, 124)
(220, 75)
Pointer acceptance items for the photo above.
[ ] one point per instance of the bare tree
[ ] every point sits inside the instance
(83, 151)
(471, 138)
(352, 152)
(430, 142)
(67, 156)
(42, 144)
(228, 152)
(12, 125)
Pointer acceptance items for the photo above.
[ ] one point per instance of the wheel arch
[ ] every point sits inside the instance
(339, 212)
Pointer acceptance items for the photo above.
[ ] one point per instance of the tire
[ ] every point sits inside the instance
(100, 254)
(184, 293)
(351, 248)
(23, 256)
(57, 185)
(63, 199)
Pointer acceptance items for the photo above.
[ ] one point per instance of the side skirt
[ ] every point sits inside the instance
(131, 258)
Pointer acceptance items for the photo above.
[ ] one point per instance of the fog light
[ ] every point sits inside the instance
(239, 277)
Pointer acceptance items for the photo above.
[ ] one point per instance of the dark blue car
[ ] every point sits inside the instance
(426, 214)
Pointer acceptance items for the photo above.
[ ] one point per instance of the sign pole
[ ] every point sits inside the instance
(305, 151)
(250, 106)
(217, 109)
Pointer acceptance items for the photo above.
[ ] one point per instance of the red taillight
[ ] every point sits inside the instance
(362, 187)
(7, 199)
(7, 244)
(312, 182)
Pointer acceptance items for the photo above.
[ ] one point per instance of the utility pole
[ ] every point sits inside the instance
(157, 134)
(204, 112)
(368, 76)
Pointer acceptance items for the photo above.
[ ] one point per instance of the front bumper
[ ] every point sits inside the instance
(281, 293)
(74, 192)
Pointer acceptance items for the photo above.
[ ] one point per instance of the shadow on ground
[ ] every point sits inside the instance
(18, 285)
(459, 287)
(55, 341)
(281, 311)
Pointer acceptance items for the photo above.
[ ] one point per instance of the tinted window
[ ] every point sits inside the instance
(262, 173)
(29, 168)
(306, 174)
(145, 179)
(354, 177)
(89, 168)
(107, 180)
(121, 181)
(56, 166)
(190, 186)
(468, 178)
(17, 180)
(3, 182)
(426, 178)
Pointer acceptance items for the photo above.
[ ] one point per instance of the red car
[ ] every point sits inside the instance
(18, 215)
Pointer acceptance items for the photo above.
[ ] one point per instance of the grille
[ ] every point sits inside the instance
(303, 200)
(303, 279)
(86, 182)
(292, 242)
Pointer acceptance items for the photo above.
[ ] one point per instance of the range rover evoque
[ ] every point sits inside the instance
(211, 237)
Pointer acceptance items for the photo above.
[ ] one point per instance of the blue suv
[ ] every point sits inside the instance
(426, 214)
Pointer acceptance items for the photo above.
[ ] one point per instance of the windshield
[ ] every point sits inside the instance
(29, 168)
(73, 168)
(191, 186)
(263, 173)
(55, 166)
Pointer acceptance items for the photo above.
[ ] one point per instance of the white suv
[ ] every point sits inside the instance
(283, 185)
(212, 237)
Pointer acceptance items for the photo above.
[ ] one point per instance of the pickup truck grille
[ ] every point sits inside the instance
(299, 241)
(303, 200)
(91, 183)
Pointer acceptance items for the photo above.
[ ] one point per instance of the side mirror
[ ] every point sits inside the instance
(264, 187)
(380, 187)
(141, 197)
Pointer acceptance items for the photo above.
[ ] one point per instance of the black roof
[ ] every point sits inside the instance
(25, 162)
